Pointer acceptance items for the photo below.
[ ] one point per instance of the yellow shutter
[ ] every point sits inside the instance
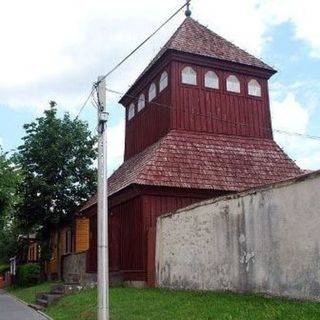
(82, 235)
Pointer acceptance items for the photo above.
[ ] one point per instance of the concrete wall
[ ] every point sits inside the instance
(265, 241)
(74, 269)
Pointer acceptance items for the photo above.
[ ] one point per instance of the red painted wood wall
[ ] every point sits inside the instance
(149, 124)
(197, 108)
(132, 233)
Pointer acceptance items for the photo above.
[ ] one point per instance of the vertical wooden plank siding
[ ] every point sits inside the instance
(33, 252)
(132, 239)
(82, 235)
(154, 206)
(53, 263)
(126, 240)
(149, 124)
(92, 252)
(198, 108)
(132, 234)
(62, 242)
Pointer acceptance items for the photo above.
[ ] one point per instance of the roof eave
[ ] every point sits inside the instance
(169, 54)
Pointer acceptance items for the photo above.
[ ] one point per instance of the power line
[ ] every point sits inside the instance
(143, 42)
(137, 99)
(212, 116)
(303, 135)
(129, 55)
(85, 102)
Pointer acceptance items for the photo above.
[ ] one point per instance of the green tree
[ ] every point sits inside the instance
(56, 160)
(9, 180)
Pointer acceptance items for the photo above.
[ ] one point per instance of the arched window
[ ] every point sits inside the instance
(233, 84)
(131, 111)
(141, 102)
(188, 76)
(211, 80)
(254, 88)
(163, 81)
(152, 91)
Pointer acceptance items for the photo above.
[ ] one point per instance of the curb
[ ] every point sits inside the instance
(30, 305)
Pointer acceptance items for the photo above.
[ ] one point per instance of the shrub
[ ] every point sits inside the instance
(4, 268)
(28, 274)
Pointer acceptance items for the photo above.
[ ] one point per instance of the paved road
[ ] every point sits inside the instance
(11, 309)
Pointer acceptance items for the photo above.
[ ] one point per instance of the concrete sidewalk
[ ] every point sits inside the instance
(11, 309)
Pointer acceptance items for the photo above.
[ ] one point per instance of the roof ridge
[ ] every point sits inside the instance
(192, 37)
(224, 39)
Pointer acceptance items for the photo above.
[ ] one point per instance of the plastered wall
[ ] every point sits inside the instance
(265, 241)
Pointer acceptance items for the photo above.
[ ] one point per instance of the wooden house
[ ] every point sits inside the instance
(69, 239)
(198, 126)
(28, 249)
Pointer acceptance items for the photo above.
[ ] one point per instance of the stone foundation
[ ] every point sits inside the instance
(74, 269)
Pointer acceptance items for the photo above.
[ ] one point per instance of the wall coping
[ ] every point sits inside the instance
(276, 185)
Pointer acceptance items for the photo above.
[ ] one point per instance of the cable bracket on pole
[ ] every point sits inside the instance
(103, 117)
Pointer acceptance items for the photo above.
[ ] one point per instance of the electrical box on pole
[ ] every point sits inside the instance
(102, 221)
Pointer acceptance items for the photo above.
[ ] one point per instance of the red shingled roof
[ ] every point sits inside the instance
(192, 37)
(205, 161)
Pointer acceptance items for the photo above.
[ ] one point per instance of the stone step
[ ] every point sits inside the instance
(35, 306)
(42, 302)
(66, 288)
(49, 297)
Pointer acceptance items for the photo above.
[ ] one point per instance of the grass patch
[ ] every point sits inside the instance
(160, 304)
(28, 294)
(152, 304)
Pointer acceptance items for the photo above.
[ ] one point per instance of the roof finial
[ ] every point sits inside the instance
(188, 11)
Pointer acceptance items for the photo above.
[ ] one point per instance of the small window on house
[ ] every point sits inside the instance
(68, 241)
(141, 102)
(152, 92)
(233, 84)
(254, 88)
(131, 111)
(189, 76)
(211, 80)
(163, 81)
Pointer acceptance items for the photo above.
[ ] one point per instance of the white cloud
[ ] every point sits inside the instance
(56, 49)
(289, 115)
(115, 146)
(306, 152)
(304, 15)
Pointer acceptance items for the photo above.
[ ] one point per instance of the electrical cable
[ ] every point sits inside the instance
(85, 102)
(143, 42)
(210, 115)
(130, 54)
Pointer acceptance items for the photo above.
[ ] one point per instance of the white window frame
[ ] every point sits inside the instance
(141, 102)
(164, 80)
(254, 88)
(189, 76)
(211, 80)
(233, 84)
(152, 93)
(131, 111)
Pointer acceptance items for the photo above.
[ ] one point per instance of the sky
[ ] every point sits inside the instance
(55, 50)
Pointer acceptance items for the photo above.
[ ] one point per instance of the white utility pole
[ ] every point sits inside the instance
(103, 254)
